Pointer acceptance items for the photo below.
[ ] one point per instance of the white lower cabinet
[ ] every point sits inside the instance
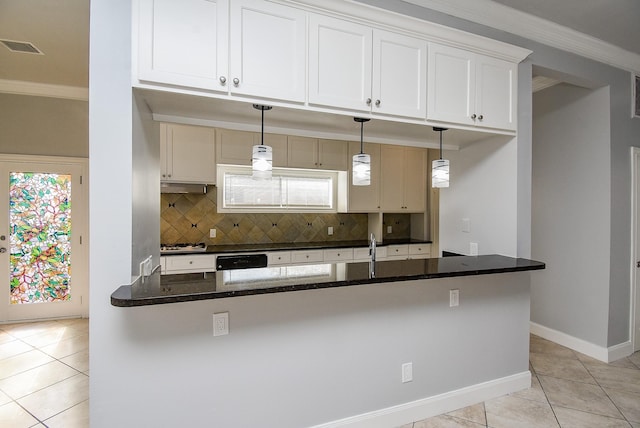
(338, 255)
(279, 258)
(310, 256)
(190, 263)
(397, 252)
(361, 254)
(419, 251)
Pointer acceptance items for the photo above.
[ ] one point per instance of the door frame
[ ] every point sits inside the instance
(81, 224)
(634, 304)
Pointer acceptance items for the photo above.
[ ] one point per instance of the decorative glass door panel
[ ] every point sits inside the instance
(42, 260)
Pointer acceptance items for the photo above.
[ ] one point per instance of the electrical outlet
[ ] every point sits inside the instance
(473, 249)
(454, 298)
(407, 372)
(466, 225)
(221, 324)
(389, 229)
(212, 233)
(330, 230)
(146, 267)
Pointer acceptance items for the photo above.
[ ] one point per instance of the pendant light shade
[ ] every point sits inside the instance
(361, 167)
(262, 156)
(440, 167)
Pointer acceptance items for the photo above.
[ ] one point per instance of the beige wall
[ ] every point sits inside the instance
(43, 126)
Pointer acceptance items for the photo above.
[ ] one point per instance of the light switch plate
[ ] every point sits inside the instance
(407, 372)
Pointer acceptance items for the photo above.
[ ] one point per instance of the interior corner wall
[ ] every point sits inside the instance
(571, 211)
(482, 191)
(44, 126)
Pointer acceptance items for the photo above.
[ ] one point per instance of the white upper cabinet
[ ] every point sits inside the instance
(267, 50)
(312, 153)
(470, 89)
(399, 75)
(187, 154)
(184, 43)
(339, 63)
(236, 147)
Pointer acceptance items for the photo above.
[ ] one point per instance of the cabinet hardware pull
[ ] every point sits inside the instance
(480, 117)
(236, 81)
(368, 101)
(473, 116)
(377, 103)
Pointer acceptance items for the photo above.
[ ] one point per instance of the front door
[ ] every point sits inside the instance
(43, 222)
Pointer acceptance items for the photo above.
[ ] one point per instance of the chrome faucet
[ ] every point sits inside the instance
(372, 254)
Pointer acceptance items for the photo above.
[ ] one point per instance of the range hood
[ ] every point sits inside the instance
(183, 188)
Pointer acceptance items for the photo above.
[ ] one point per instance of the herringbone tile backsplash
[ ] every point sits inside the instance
(188, 218)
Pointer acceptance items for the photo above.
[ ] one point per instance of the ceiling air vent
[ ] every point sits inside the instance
(23, 47)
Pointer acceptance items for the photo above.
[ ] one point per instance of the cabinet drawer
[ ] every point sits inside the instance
(338, 254)
(419, 249)
(312, 256)
(397, 250)
(279, 257)
(362, 253)
(190, 263)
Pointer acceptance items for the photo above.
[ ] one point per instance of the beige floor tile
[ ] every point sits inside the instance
(514, 412)
(563, 368)
(407, 425)
(12, 348)
(5, 337)
(623, 362)
(35, 379)
(539, 345)
(27, 329)
(14, 416)
(4, 398)
(615, 377)
(635, 424)
(570, 418)
(58, 397)
(22, 362)
(534, 393)
(79, 360)
(75, 417)
(52, 336)
(635, 359)
(473, 413)
(580, 396)
(627, 402)
(446, 421)
(67, 347)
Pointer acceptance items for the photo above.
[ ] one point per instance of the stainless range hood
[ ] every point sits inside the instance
(183, 188)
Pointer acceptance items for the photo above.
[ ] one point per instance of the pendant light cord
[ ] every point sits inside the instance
(361, 137)
(440, 142)
(262, 133)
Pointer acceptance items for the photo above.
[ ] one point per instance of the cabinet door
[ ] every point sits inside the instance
(279, 146)
(184, 43)
(303, 152)
(339, 63)
(495, 93)
(392, 182)
(332, 154)
(399, 75)
(450, 85)
(268, 47)
(190, 151)
(365, 198)
(234, 147)
(415, 179)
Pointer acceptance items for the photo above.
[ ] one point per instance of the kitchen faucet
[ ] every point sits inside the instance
(372, 253)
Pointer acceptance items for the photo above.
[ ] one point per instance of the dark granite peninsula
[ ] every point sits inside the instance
(159, 289)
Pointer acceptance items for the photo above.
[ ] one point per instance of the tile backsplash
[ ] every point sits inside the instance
(188, 218)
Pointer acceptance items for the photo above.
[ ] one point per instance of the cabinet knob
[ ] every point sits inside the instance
(377, 103)
(480, 117)
(223, 80)
(190, 262)
(368, 101)
(473, 116)
(236, 81)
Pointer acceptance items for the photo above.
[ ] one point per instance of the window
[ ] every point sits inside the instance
(289, 190)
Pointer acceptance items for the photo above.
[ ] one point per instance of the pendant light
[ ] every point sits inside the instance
(262, 157)
(440, 167)
(361, 168)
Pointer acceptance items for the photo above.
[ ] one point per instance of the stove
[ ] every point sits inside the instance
(183, 248)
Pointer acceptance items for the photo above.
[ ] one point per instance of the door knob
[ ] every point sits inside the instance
(473, 116)
(223, 80)
(377, 103)
(236, 81)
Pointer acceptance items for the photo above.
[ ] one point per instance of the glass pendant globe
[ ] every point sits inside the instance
(361, 170)
(262, 162)
(440, 173)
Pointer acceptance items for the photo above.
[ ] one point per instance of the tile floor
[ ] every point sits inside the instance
(44, 374)
(44, 382)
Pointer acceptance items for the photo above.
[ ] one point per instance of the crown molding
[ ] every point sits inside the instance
(20, 87)
(540, 30)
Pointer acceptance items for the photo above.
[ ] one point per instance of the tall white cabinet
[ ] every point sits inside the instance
(187, 154)
(470, 89)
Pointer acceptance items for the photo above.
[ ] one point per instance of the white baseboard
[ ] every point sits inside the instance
(435, 405)
(601, 353)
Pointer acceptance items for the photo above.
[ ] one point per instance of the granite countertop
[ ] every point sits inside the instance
(159, 289)
(284, 246)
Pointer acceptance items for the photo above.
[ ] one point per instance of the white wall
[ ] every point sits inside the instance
(43, 126)
(571, 213)
(483, 189)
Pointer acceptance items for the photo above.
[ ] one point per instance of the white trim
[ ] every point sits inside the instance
(435, 405)
(20, 87)
(603, 354)
(633, 335)
(504, 18)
